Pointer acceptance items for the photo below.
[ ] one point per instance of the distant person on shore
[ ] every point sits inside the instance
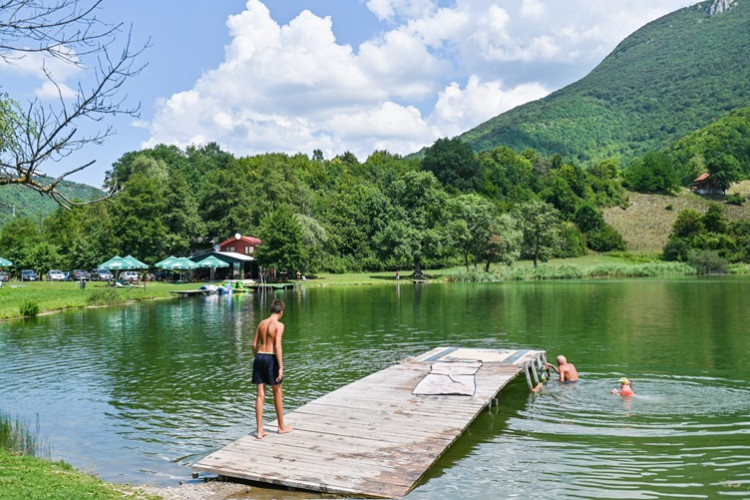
(268, 366)
(626, 388)
(567, 371)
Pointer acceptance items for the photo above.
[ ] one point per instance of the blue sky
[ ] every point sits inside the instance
(340, 75)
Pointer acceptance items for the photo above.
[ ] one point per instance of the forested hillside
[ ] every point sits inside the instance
(19, 201)
(669, 78)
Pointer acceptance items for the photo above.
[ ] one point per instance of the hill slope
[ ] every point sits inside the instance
(19, 201)
(673, 76)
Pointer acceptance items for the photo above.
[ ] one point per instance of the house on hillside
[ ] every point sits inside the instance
(236, 251)
(704, 185)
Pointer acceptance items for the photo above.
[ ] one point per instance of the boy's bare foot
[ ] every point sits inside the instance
(260, 434)
(284, 430)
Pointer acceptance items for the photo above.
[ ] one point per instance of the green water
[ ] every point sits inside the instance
(136, 394)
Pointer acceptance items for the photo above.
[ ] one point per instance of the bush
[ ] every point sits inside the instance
(572, 241)
(29, 308)
(471, 276)
(707, 262)
(104, 297)
(735, 199)
(606, 239)
(676, 249)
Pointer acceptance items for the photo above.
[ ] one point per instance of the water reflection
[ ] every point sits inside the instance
(137, 393)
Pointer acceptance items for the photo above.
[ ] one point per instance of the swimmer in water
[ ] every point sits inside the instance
(567, 371)
(626, 388)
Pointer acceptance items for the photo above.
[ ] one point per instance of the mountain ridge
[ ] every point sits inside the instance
(674, 75)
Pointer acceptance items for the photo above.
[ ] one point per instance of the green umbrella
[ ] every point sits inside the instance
(5, 262)
(164, 263)
(181, 264)
(133, 263)
(116, 263)
(212, 262)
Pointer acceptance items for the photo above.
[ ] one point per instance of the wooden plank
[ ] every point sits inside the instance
(371, 437)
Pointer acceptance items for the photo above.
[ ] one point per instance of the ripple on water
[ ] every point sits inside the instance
(674, 438)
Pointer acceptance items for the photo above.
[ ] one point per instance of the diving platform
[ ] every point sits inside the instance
(377, 436)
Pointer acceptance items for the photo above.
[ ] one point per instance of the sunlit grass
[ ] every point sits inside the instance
(57, 296)
(647, 221)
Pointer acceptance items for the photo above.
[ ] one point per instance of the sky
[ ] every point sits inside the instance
(337, 75)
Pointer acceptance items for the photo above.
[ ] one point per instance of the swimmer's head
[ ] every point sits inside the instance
(624, 380)
(561, 360)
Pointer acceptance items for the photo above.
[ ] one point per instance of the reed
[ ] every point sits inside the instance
(21, 436)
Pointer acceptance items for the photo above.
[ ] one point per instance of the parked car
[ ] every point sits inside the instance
(29, 275)
(126, 276)
(79, 275)
(101, 275)
(4, 276)
(55, 275)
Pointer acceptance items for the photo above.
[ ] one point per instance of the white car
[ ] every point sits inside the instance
(129, 276)
(55, 275)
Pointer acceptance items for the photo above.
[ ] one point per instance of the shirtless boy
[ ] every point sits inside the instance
(268, 365)
(567, 371)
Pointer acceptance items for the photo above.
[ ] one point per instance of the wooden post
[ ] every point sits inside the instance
(526, 370)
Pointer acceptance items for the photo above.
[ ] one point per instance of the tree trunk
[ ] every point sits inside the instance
(417, 269)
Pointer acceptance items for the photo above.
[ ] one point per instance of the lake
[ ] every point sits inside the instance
(135, 394)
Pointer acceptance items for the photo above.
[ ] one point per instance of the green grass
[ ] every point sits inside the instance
(646, 222)
(29, 478)
(66, 295)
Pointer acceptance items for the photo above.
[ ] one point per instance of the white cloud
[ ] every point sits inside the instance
(389, 10)
(533, 9)
(49, 91)
(294, 87)
(459, 110)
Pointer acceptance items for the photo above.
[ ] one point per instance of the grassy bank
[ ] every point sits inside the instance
(50, 297)
(25, 476)
(28, 478)
(594, 266)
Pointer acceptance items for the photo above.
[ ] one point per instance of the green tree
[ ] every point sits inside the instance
(136, 219)
(454, 163)
(538, 223)
(689, 223)
(653, 173)
(724, 169)
(504, 244)
(184, 226)
(22, 241)
(713, 220)
(416, 230)
(283, 241)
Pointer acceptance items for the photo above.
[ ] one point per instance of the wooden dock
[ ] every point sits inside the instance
(375, 437)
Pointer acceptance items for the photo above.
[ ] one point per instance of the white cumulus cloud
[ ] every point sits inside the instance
(294, 87)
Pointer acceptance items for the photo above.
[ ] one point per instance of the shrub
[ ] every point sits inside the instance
(735, 199)
(29, 308)
(572, 241)
(471, 276)
(104, 297)
(676, 249)
(707, 262)
(605, 239)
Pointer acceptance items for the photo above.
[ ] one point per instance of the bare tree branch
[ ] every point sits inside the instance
(50, 132)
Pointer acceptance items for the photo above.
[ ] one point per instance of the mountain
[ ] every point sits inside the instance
(19, 201)
(675, 75)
